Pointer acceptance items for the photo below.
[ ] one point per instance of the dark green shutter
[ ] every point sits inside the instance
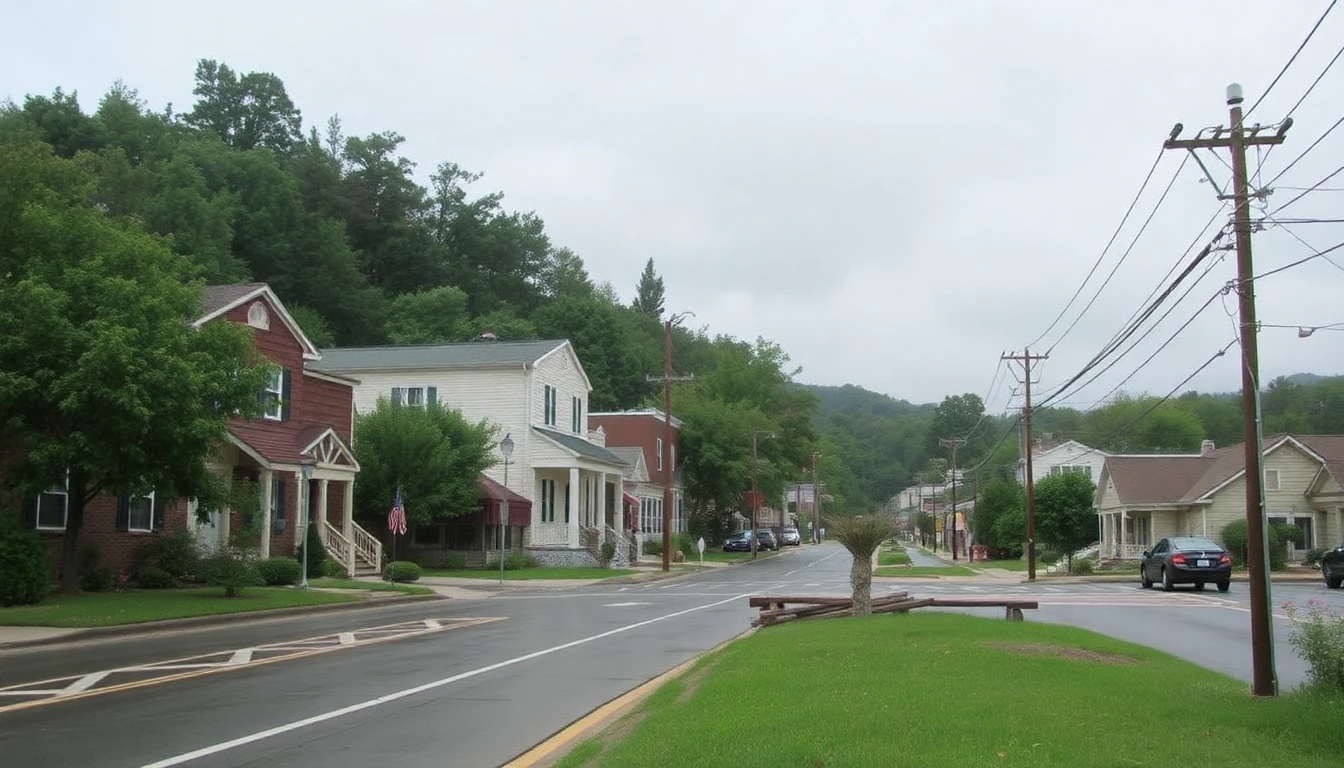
(396, 395)
(30, 511)
(566, 502)
(431, 395)
(284, 394)
(157, 515)
(124, 512)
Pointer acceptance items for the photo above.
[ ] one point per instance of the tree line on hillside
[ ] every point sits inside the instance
(239, 189)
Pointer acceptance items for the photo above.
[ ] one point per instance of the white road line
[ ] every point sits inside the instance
(83, 684)
(225, 746)
(346, 638)
(432, 624)
(241, 656)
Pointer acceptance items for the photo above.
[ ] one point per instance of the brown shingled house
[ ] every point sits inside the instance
(1143, 499)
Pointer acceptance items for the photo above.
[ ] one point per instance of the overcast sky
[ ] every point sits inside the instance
(896, 192)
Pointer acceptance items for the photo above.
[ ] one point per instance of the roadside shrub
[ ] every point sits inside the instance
(24, 574)
(1318, 637)
(517, 561)
(280, 571)
(608, 553)
(403, 570)
(683, 543)
(653, 546)
(178, 554)
(317, 554)
(154, 577)
(1083, 567)
(234, 570)
(93, 576)
(1313, 557)
(1234, 541)
(1280, 534)
(332, 569)
(453, 561)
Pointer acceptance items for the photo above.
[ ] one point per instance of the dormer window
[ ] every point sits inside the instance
(258, 317)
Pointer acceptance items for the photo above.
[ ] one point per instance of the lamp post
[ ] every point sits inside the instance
(306, 472)
(506, 449)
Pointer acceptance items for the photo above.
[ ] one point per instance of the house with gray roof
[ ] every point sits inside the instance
(535, 392)
(1143, 499)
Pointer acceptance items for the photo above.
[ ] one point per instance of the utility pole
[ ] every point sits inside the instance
(1264, 679)
(669, 453)
(755, 492)
(816, 501)
(1026, 359)
(953, 443)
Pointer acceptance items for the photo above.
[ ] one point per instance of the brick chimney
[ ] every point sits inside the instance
(1206, 448)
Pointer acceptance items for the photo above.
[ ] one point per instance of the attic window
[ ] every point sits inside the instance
(258, 317)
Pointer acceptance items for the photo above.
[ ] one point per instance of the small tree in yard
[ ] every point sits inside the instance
(105, 386)
(1065, 518)
(861, 536)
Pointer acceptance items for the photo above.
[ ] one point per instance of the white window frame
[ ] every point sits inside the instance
(414, 397)
(1274, 484)
(130, 513)
(547, 500)
(274, 408)
(658, 454)
(548, 416)
(55, 490)
(576, 414)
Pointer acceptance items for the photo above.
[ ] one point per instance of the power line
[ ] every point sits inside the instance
(1310, 247)
(1309, 190)
(1102, 255)
(1303, 154)
(1124, 255)
(1293, 58)
(1303, 98)
(1304, 260)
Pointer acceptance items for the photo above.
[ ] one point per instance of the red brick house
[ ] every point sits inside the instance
(305, 430)
(645, 431)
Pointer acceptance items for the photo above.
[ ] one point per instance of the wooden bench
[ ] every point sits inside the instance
(1012, 608)
(774, 610)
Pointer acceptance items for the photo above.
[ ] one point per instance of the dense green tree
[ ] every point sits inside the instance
(248, 112)
(959, 416)
(649, 292)
(999, 497)
(1065, 518)
(433, 454)
(434, 316)
(104, 383)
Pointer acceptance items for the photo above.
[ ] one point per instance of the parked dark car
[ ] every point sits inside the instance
(738, 542)
(1186, 560)
(1332, 567)
(767, 539)
(790, 537)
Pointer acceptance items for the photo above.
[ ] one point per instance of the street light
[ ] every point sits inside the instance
(505, 448)
(306, 472)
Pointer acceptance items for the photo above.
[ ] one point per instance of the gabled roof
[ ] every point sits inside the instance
(471, 354)
(1187, 479)
(579, 446)
(291, 443)
(1086, 449)
(220, 299)
(633, 457)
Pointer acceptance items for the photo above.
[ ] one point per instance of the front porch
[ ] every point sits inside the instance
(1124, 534)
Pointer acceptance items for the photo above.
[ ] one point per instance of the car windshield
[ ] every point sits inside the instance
(790, 530)
(1194, 542)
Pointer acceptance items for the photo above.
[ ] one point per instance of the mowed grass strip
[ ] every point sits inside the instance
(105, 609)
(530, 574)
(897, 557)
(369, 586)
(923, 570)
(934, 689)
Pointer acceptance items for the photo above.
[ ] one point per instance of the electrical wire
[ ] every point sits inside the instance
(1303, 154)
(1301, 261)
(1102, 255)
(1124, 255)
(1309, 246)
(1293, 58)
(1303, 98)
(1309, 190)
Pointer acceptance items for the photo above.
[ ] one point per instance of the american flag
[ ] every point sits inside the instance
(396, 519)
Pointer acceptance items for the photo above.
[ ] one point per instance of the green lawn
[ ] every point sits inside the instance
(930, 689)
(371, 586)
(1008, 565)
(894, 558)
(526, 574)
(924, 570)
(105, 609)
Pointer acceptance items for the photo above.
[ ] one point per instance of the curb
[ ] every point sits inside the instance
(1290, 578)
(151, 627)
(549, 751)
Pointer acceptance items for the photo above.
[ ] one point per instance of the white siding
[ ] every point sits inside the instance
(1296, 471)
(560, 369)
(1067, 454)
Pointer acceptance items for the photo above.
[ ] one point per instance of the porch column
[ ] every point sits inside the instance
(575, 540)
(348, 528)
(303, 510)
(1204, 520)
(267, 511)
(602, 503)
(224, 523)
(322, 510)
(618, 498)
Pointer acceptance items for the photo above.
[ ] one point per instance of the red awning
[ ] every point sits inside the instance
(492, 497)
(631, 500)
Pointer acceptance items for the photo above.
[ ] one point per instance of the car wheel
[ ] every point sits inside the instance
(1199, 586)
(1331, 580)
(1167, 584)
(1143, 578)
(1223, 586)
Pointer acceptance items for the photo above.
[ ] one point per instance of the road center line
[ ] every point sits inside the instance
(224, 746)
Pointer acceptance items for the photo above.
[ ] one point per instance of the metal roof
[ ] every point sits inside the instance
(471, 354)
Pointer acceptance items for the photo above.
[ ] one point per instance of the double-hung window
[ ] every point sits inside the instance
(549, 416)
(140, 513)
(658, 450)
(576, 411)
(273, 396)
(52, 505)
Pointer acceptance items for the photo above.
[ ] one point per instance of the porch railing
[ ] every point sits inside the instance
(367, 548)
(337, 545)
(550, 534)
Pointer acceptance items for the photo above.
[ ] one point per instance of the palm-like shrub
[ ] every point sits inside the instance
(861, 536)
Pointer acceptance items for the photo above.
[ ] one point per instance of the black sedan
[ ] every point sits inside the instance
(1186, 560)
(1332, 567)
